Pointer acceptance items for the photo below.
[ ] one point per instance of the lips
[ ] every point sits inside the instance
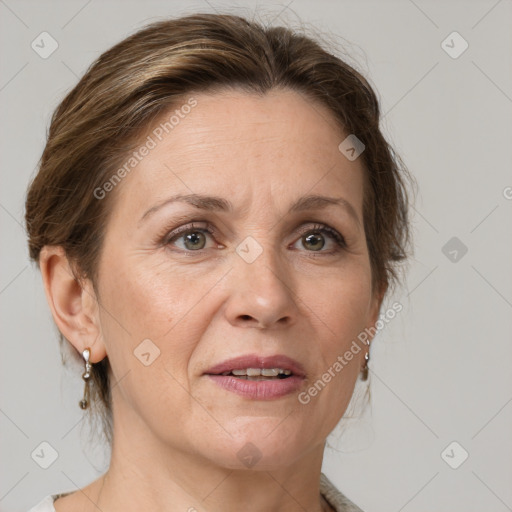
(256, 361)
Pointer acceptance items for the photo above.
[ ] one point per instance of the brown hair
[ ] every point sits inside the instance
(130, 85)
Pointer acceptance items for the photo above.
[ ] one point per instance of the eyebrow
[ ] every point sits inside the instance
(214, 203)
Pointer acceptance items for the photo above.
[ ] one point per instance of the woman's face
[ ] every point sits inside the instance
(253, 276)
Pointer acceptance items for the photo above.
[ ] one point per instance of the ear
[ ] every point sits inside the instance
(375, 305)
(373, 313)
(73, 304)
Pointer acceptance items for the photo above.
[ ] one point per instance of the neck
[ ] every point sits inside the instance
(148, 476)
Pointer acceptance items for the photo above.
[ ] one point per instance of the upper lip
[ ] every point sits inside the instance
(257, 361)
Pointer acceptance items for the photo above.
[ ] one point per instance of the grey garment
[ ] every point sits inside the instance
(335, 498)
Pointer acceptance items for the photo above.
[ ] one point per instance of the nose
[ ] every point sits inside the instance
(261, 294)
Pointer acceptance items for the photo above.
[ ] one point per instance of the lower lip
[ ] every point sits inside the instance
(259, 389)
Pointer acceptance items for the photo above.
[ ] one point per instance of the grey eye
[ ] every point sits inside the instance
(194, 240)
(314, 240)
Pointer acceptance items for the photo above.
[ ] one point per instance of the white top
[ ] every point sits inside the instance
(335, 498)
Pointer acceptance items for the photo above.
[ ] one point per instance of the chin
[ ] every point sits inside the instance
(258, 444)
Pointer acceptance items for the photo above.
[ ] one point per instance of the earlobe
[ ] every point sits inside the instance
(73, 304)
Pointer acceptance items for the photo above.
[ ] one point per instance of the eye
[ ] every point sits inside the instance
(194, 237)
(314, 239)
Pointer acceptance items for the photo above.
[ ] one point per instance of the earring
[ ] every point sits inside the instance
(84, 403)
(364, 371)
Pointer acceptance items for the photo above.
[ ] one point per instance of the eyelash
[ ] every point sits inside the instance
(316, 228)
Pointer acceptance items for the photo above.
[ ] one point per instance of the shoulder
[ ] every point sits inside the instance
(335, 498)
(45, 505)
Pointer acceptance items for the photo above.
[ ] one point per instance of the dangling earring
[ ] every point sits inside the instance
(364, 371)
(84, 403)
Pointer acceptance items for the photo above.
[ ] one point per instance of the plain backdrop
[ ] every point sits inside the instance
(441, 381)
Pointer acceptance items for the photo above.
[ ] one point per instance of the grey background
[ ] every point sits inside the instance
(441, 370)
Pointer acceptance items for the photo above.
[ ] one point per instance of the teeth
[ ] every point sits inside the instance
(269, 372)
(256, 372)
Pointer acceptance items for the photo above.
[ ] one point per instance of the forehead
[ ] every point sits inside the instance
(242, 145)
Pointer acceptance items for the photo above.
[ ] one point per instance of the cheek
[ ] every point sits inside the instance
(341, 313)
(339, 304)
(153, 301)
(141, 304)
(147, 301)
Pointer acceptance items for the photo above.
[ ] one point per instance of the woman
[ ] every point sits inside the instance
(217, 219)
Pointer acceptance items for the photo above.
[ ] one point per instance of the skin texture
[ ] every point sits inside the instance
(177, 434)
